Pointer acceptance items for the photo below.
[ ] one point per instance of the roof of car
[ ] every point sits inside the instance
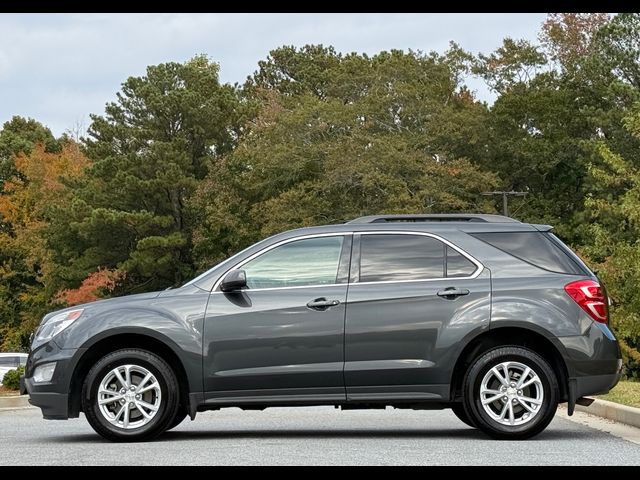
(9, 354)
(426, 223)
(434, 217)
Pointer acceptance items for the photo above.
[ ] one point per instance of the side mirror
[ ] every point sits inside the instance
(234, 281)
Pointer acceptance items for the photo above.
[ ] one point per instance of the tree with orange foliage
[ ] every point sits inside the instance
(569, 36)
(98, 283)
(26, 263)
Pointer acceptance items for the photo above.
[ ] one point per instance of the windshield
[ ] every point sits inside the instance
(215, 267)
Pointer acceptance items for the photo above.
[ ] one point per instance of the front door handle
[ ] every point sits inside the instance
(452, 293)
(322, 303)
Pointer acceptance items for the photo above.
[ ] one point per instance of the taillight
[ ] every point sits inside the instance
(591, 298)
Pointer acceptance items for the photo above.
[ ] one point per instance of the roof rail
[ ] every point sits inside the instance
(435, 217)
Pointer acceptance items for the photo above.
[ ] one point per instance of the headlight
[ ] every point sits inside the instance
(55, 325)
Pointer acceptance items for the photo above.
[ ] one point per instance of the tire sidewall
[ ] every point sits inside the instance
(163, 374)
(481, 418)
(460, 412)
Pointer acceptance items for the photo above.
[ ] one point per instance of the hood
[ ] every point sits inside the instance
(90, 305)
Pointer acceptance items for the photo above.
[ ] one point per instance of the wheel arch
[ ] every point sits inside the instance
(510, 335)
(118, 339)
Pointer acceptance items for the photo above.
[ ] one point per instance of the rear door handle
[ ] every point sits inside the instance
(322, 303)
(452, 293)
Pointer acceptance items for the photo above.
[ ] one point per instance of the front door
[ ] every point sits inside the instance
(412, 299)
(282, 338)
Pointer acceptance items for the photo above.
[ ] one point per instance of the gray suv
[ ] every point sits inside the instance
(496, 319)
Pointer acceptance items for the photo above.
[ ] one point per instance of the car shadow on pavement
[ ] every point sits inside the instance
(190, 435)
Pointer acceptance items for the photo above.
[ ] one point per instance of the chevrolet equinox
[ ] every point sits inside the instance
(496, 319)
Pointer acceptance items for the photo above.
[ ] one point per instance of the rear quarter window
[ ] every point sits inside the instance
(535, 248)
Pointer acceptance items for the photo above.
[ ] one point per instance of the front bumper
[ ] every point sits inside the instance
(54, 406)
(51, 397)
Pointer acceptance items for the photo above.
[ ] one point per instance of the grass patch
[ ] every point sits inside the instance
(626, 393)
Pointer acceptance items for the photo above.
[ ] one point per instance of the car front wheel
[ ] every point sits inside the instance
(510, 393)
(130, 395)
(459, 411)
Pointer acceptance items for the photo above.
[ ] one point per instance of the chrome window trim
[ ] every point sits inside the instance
(289, 288)
(271, 247)
(479, 266)
(475, 274)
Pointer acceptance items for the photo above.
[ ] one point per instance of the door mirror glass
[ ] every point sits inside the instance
(233, 281)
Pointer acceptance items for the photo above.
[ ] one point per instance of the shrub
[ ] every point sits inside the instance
(11, 379)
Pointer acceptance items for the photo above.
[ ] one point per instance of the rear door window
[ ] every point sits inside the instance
(403, 257)
(458, 265)
(395, 257)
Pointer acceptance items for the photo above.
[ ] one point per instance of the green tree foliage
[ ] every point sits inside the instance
(148, 153)
(615, 250)
(618, 46)
(183, 170)
(390, 133)
(515, 63)
(11, 379)
(546, 123)
(20, 135)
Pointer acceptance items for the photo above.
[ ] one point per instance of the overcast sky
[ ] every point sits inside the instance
(58, 68)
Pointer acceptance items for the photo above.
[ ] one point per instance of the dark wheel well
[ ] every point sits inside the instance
(117, 342)
(510, 336)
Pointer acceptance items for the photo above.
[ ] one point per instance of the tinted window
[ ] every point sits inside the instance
(23, 361)
(458, 265)
(532, 247)
(8, 362)
(400, 257)
(313, 261)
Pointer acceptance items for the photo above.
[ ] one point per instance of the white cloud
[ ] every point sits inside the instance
(58, 68)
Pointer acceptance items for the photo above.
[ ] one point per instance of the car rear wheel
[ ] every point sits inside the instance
(130, 395)
(510, 393)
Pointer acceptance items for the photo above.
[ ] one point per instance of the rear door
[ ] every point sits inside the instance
(412, 298)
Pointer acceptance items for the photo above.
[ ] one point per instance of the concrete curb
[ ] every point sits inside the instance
(14, 402)
(613, 411)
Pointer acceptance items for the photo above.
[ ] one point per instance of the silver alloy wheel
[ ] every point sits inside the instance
(129, 396)
(511, 393)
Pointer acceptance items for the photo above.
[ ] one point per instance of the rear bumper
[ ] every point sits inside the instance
(594, 357)
(593, 360)
(595, 384)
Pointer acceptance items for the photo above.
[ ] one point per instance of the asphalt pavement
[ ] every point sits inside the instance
(311, 436)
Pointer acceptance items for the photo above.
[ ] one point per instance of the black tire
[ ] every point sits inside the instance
(459, 411)
(492, 427)
(169, 399)
(181, 414)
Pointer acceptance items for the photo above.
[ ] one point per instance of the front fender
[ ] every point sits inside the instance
(175, 321)
(190, 360)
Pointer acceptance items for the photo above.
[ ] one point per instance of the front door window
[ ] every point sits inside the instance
(307, 262)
